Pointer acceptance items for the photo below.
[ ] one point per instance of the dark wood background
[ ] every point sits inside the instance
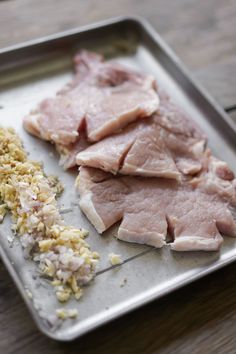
(200, 318)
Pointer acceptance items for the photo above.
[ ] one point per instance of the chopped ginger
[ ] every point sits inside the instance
(64, 314)
(115, 259)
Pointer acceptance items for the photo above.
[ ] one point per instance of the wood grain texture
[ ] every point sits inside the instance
(201, 32)
(200, 318)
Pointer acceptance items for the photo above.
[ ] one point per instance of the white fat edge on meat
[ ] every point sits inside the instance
(87, 206)
(151, 238)
(195, 243)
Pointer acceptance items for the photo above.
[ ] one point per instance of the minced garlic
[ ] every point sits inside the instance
(29, 294)
(64, 314)
(115, 259)
(30, 195)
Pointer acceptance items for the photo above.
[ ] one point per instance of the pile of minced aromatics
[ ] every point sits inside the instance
(30, 195)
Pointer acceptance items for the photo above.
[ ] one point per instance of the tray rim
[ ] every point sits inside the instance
(151, 295)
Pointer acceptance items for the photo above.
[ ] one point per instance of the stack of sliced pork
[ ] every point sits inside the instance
(143, 161)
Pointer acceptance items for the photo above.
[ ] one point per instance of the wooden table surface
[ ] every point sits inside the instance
(200, 318)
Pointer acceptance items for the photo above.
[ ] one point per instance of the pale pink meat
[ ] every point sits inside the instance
(174, 119)
(149, 208)
(216, 178)
(69, 152)
(102, 98)
(162, 146)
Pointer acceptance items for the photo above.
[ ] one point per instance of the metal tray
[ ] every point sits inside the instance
(37, 69)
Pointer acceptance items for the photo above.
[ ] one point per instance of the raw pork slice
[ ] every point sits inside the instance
(166, 145)
(194, 212)
(69, 152)
(102, 98)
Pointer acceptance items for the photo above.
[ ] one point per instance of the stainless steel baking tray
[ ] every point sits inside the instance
(37, 69)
